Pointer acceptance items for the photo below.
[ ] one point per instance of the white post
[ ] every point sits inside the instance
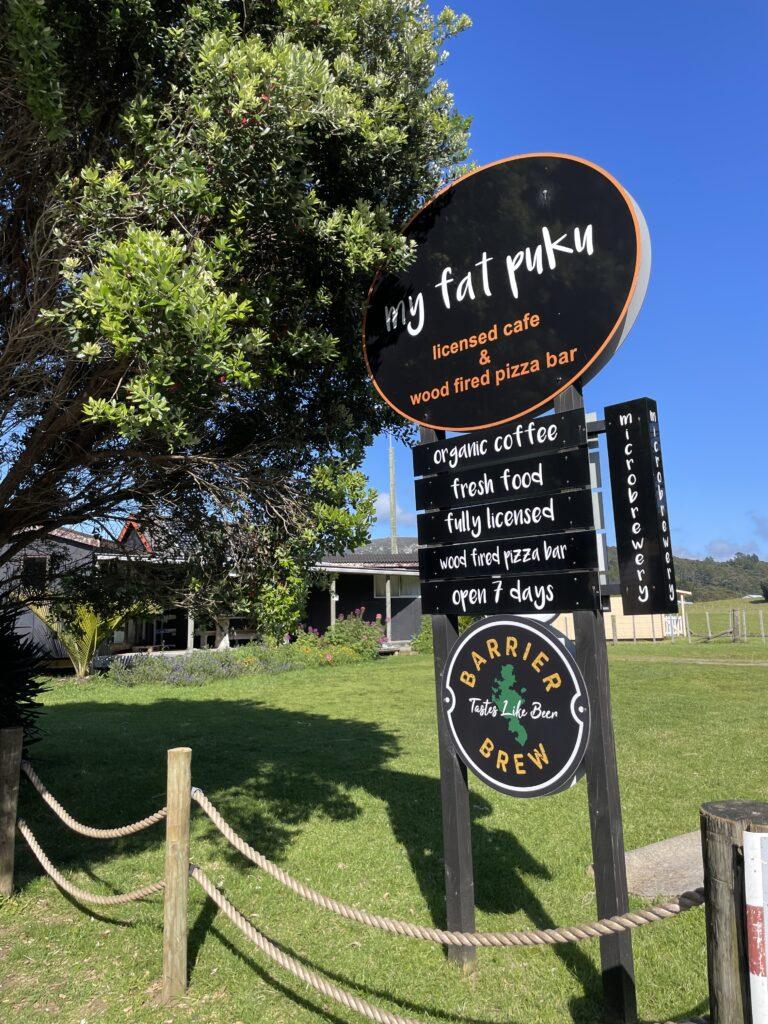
(653, 628)
(190, 631)
(221, 640)
(634, 630)
(756, 900)
(744, 616)
(333, 603)
(709, 627)
(762, 625)
(388, 594)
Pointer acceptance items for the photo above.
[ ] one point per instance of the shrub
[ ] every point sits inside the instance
(353, 632)
(21, 660)
(422, 642)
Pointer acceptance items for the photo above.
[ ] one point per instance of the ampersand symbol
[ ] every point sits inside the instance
(485, 357)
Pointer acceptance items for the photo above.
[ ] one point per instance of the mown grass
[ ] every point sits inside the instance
(334, 775)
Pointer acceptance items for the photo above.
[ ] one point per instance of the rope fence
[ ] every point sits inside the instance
(80, 894)
(526, 937)
(177, 814)
(88, 830)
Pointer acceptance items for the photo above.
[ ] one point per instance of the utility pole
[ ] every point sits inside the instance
(392, 499)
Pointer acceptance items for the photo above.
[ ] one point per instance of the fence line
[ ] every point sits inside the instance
(527, 938)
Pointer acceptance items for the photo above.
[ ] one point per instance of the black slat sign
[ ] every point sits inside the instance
(532, 592)
(519, 479)
(484, 447)
(646, 567)
(560, 551)
(506, 519)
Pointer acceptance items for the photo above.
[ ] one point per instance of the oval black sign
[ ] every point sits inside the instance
(517, 706)
(527, 276)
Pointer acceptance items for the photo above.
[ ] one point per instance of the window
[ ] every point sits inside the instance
(402, 586)
(34, 571)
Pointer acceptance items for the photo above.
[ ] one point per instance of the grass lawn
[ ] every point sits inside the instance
(333, 773)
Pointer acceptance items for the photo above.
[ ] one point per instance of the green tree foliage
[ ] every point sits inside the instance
(193, 198)
(22, 660)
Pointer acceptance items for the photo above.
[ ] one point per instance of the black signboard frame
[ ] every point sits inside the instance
(641, 517)
(525, 594)
(523, 438)
(558, 552)
(530, 477)
(523, 517)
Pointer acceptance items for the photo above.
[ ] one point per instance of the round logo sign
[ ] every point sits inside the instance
(517, 706)
(528, 273)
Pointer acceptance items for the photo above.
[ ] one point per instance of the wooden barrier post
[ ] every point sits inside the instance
(176, 873)
(614, 630)
(11, 741)
(722, 828)
(616, 961)
(454, 794)
(709, 627)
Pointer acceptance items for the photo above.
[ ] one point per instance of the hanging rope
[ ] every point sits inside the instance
(81, 894)
(88, 830)
(525, 937)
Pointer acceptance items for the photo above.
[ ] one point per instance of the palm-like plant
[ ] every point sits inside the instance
(80, 631)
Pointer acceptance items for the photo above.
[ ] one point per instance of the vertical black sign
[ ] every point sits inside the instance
(639, 493)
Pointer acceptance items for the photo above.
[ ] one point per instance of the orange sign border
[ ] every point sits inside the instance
(527, 412)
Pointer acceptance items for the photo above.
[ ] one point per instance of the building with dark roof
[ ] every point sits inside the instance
(382, 582)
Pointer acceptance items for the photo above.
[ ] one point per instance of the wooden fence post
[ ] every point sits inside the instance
(176, 873)
(722, 828)
(11, 741)
(709, 626)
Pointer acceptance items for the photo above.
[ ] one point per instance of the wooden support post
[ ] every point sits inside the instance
(634, 629)
(332, 592)
(190, 631)
(745, 634)
(722, 828)
(614, 630)
(709, 626)
(734, 625)
(388, 604)
(605, 820)
(653, 628)
(454, 793)
(176, 873)
(11, 741)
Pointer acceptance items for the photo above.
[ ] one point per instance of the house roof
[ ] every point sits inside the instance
(131, 525)
(78, 537)
(376, 557)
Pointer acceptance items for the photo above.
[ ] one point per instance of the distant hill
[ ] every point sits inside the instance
(707, 579)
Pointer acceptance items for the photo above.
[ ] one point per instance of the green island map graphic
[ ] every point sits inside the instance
(508, 699)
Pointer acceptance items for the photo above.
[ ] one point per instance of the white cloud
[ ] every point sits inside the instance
(722, 549)
(382, 512)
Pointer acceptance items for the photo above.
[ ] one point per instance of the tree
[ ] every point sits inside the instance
(193, 199)
(80, 629)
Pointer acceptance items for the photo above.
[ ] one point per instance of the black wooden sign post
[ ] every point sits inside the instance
(454, 793)
(527, 276)
(605, 819)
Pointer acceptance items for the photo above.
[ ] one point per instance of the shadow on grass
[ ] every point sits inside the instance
(270, 771)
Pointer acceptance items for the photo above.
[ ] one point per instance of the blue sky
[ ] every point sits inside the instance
(671, 99)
